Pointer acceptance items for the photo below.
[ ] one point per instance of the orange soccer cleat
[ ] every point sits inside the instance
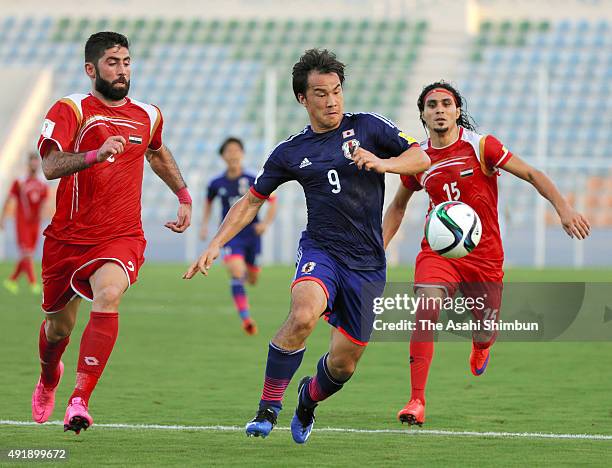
(413, 413)
(479, 358)
(250, 327)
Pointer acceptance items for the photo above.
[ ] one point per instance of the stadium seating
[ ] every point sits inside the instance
(208, 75)
(501, 84)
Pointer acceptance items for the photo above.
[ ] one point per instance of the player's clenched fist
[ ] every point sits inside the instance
(368, 161)
(112, 146)
(204, 263)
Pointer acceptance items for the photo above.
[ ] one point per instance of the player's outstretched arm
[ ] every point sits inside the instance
(412, 161)
(237, 218)
(261, 227)
(395, 213)
(56, 163)
(163, 164)
(574, 223)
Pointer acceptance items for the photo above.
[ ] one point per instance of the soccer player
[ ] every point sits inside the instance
(96, 143)
(242, 252)
(339, 160)
(464, 166)
(28, 194)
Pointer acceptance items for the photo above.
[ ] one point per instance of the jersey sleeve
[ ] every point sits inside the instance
(411, 183)
(60, 126)
(211, 193)
(271, 175)
(390, 140)
(493, 154)
(156, 132)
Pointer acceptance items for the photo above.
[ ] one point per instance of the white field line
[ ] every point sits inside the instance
(408, 432)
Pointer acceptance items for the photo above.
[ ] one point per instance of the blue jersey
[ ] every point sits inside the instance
(344, 203)
(230, 191)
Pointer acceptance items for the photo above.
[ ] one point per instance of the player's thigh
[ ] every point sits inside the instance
(236, 266)
(434, 271)
(344, 354)
(108, 284)
(308, 302)
(60, 324)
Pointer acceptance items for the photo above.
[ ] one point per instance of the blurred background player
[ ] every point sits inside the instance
(340, 161)
(242, 252)
(27, 196)
(94, 247)
(464, 167)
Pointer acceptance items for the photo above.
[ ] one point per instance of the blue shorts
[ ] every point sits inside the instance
(350, 293)
(248, 248)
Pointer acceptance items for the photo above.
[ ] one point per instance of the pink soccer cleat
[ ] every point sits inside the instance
(43, 399)
(77, 417)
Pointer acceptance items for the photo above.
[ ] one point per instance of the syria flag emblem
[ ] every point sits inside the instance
(349, 148)
(135, 139)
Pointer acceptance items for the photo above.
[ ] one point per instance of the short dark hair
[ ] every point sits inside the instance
(100, 41)
(321, 60)
(465, 120)
(229, 140)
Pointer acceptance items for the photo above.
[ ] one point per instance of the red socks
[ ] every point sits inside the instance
(96, 346)
(421, 351)
(421, 354)
(28, 267)
(50, 355)
(25, 265)
(18, 269)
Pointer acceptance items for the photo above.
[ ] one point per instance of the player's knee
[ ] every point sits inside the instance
(109, 296)
(58, 329)
(302, 320)
(252, 278)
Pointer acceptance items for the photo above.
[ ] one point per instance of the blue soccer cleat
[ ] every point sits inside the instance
(262, 424)
(304, 418)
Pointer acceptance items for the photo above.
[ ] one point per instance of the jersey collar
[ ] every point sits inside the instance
(459, 136)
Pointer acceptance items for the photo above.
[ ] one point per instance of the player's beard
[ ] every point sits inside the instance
(440, 130)
(107, 89)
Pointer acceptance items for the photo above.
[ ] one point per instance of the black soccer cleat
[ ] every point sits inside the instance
(262, 424)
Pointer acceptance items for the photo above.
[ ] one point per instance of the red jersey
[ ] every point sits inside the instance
(467, 171)
(103, 201)
(30, 193)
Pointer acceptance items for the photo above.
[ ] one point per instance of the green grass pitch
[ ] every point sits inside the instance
(182, 359)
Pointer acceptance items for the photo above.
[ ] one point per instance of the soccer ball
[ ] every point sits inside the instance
(453, 229)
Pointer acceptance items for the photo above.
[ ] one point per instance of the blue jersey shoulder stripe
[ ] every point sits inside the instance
(289, 139)
(378, 116)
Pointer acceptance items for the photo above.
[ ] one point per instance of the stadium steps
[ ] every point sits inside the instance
(500, 82)
(229, 58)
(440, 58)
